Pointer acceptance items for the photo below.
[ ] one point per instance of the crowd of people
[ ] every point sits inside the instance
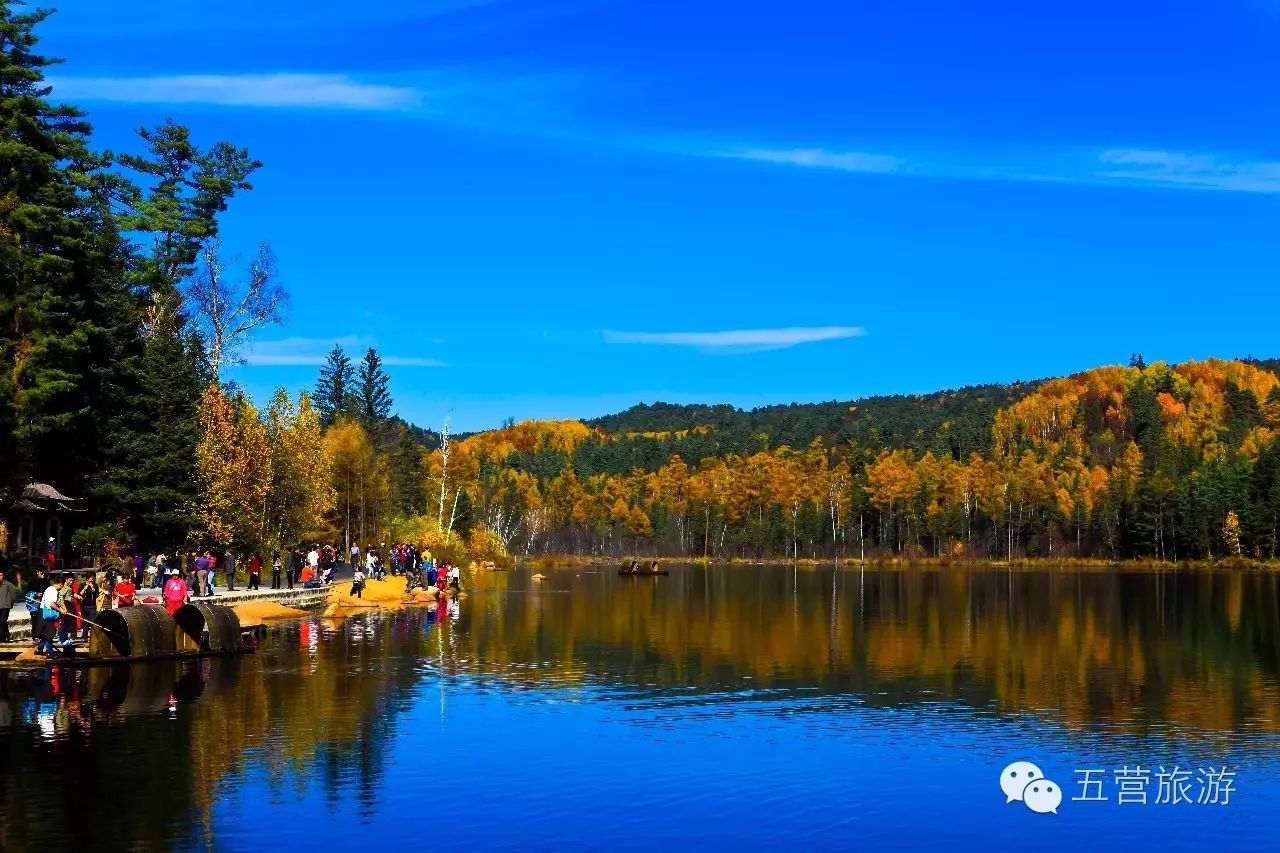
(63, 605)
(415, 565)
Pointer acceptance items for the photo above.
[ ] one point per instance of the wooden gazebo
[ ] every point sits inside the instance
(38, 523)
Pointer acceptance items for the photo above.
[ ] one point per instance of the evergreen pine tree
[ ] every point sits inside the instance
(409, 474)
(335, 387)
(1241, 411)
(64, 340)
(158, 504)
(179, 210)
(115, 381)
(177, 213)
(373, 393)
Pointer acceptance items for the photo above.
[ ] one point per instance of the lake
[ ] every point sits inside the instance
(728, 707)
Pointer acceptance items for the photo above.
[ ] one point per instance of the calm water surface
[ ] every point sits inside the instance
(736, 706)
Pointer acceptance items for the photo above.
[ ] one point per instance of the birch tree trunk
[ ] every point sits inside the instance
(444, 474)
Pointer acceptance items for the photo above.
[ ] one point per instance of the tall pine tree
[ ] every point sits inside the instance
(336, 386)
(66, 347)
(159, 461)
(176, 213)
(409, 473)
(373, 394)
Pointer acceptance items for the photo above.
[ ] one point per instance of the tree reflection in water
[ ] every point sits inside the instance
(145, 752)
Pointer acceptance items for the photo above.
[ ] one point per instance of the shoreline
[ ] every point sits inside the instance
(899, 562)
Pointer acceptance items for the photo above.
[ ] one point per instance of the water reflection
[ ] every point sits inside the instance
(105, 693)
(1120, 649)
(140, 751)
(145, 751)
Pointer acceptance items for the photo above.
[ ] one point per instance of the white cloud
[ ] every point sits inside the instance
(542, 105)
(1182, 169)
(294, 352)
(1155, 167)
(819, 158)
(410, 361)
(742, 340)
(316, 91)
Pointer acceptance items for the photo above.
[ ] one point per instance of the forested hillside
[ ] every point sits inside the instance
(956, 422)
(1145, 461)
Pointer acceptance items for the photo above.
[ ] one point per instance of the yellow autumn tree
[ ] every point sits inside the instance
(1231, 533)
(359, 482)
(892, 481)
(302, 491)
(893, 487)
(233, 466)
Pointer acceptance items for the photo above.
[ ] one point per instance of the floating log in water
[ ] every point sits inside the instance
(148, 632)
(204, 627)
(141, 631)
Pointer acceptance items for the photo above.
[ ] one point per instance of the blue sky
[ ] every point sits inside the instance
(561, 208)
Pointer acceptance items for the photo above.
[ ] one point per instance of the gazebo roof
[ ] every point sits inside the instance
(44, 492)
(42, 497)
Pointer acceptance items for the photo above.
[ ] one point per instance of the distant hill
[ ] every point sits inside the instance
(427, 438)
(1271, 364)
(956, 421)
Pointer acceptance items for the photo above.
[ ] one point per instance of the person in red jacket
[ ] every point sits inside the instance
(176, 593)
(125, 591)
(255, 570)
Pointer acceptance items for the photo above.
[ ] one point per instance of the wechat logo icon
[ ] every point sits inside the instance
(1026, 783)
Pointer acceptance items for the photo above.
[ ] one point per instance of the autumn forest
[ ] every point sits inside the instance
(1152, 462)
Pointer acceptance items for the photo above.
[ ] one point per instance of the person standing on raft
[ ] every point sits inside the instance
(124, 592)
(69, 606)
(176, 593)
(49, 614)
(35, 588)
(88, 603)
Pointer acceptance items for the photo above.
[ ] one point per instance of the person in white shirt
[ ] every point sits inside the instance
(49, 627)
(357, 583)
(313, 558)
